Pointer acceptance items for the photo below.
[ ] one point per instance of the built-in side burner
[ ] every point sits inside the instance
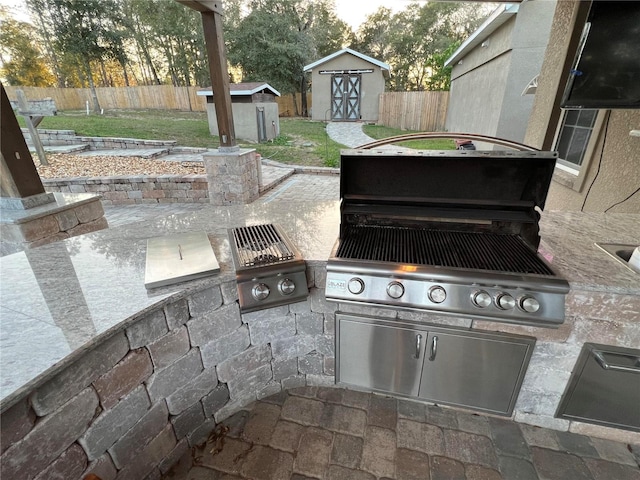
(270, 271)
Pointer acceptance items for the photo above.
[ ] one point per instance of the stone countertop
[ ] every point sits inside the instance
(59, 300)
(569, 243)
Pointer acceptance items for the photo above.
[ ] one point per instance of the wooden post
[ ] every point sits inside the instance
(212, 25)
(32, 123)
(211, 11)
(18, 175)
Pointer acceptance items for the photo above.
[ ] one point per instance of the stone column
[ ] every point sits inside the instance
(30, 217)
(232, 177)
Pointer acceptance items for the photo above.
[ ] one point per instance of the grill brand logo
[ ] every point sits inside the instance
(339, 285)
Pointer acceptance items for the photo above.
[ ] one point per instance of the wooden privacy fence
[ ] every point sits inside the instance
(420, 111)
(155, 97)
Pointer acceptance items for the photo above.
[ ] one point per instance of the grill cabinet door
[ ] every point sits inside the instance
(475, 370)
(375, 355)
(604, 388)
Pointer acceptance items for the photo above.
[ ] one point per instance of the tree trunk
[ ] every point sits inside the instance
(124, 73)
(105, 77)
(94, 94)
(295, 104)
(147, 57)
(303, 96)
(49, 49)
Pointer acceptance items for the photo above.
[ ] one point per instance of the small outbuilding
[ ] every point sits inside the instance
(346, 86)
(255, 111)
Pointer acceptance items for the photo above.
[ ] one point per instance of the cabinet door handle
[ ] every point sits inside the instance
(598, 355)
(418, 345)
(434, 348)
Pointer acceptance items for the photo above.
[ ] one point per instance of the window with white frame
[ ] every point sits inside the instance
(574, 138)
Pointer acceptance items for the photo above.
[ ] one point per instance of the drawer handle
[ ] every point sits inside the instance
(434, 348)
(418, 345)
(598, 355)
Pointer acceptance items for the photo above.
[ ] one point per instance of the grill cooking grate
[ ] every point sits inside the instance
(260, 245)
(482, 251)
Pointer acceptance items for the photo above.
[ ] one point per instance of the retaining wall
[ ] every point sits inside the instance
(131, 189)
(69, 137)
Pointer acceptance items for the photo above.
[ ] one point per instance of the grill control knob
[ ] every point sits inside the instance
(504, 301)
(395, 289)
(437, 294)
(260, 291)
(529, 304)
(286, 286)
(481, 299)
(356, 286)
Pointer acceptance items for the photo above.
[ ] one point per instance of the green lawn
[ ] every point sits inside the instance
(379, 132)
(301, 141)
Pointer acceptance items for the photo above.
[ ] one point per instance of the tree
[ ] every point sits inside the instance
(22, 61)
(417, 41)
(373, 36)
(278, 37)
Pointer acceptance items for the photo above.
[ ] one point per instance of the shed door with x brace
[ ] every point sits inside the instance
(345, 97)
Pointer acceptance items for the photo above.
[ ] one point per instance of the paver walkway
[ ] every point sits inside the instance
(339, 434)
(348, 133)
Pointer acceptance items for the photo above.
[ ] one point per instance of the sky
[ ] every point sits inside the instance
(352, 12)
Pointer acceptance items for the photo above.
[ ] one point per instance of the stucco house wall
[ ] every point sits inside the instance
(372, 86)
(612, 172)
(491, 72)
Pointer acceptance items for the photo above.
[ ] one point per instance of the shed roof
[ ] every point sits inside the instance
(364, 57)
(499, 16)
(245, 88)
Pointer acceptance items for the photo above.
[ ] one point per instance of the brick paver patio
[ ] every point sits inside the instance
(338, 434)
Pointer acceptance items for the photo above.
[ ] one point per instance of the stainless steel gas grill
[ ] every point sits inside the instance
(453, 232)
(269, 269)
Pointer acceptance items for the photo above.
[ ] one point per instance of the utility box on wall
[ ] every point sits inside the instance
(255, 111)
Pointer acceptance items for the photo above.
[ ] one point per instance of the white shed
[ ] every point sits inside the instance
(255, 111)
(346, 86)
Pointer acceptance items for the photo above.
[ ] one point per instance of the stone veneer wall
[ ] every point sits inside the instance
(234, 177)
(69, 137)
(75, 220)
(130, 407)
(131, 189)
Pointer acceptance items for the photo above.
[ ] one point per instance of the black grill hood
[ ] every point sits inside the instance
(461, 189)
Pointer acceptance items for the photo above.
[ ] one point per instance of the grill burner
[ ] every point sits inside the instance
(269, 269)
(482, 251)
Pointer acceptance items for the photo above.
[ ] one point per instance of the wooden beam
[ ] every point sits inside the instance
(18, 175)
(203, 5)
(211, 11)
(212, 25)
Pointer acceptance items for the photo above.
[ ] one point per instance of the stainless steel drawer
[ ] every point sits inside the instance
(604, 388)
